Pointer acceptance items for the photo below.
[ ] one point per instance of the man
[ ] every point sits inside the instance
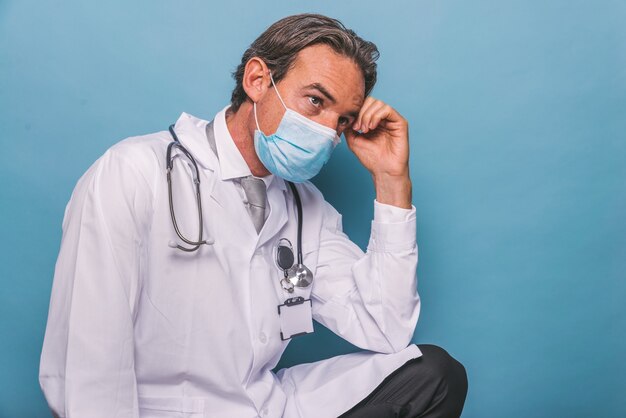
(141, 327)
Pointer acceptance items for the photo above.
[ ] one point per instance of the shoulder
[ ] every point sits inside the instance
(310, 193)
(144, 152)
(142, 156)
(131, 167)
(312, 198)
(314, 203)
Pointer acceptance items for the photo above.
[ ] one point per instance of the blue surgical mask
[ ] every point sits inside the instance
(298, 149)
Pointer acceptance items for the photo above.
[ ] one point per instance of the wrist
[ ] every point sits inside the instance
(395, 190)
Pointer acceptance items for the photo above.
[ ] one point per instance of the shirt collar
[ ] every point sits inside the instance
(232, 164)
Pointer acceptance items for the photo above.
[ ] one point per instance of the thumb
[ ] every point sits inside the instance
(351, 137)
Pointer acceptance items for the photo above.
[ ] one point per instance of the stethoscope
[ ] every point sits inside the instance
(295, 274)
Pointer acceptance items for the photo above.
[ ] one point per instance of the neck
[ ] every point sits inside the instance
(241, 126)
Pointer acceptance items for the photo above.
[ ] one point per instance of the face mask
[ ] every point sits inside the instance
(298, 149)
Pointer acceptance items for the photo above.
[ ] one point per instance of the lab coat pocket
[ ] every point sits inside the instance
(171, 407)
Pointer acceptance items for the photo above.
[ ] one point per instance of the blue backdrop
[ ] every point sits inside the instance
(518, 134)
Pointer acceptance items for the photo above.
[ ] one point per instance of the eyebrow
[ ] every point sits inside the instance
(322, 89)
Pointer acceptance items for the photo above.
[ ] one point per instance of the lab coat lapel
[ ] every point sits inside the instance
(192, 134)
(228, 198)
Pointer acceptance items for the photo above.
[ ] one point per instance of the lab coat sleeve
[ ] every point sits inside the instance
(370, 299)
(87, 361)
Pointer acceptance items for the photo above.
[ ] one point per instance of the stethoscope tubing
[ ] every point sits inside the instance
(296, 196)
(197, 244)
(169, 168)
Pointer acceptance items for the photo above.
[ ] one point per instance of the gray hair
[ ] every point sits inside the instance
(281, 42)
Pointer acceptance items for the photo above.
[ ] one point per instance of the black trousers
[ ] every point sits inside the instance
(431, 386)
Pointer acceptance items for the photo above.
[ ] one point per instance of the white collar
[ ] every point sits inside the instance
(192, 134)
(232, 164)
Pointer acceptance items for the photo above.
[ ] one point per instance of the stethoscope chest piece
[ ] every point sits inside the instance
(295, 275)
(300, 276)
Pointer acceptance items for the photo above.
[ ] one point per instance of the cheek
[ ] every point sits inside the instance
(275, 121)
(330, 120)
(304, 107)
(269, 116)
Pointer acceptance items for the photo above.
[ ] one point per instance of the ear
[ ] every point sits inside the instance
(256, 79)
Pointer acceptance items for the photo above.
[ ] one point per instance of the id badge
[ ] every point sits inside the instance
(296, 317)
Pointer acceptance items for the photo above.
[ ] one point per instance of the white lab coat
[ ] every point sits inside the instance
(139, 329)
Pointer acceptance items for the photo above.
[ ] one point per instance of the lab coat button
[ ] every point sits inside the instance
(263, 338)
(264, 412)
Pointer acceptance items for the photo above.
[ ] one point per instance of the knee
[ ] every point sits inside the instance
(445, 368)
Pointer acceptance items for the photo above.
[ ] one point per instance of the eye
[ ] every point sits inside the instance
(343, 121)
(316, 101)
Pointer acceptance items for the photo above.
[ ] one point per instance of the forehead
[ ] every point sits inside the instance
(340, 75)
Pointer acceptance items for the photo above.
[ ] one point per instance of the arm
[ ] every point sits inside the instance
(380, 140)
(369, 299)
(87, 361)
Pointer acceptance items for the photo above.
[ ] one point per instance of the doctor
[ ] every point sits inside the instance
(139, 328)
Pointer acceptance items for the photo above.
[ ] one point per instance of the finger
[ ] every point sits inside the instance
(363, 113)
(350, 133)
(366, 119)
(351, 137)
(380, 115)
(366, 104)
(357, 143)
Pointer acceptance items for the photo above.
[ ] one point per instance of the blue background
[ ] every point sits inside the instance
(518, 134)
